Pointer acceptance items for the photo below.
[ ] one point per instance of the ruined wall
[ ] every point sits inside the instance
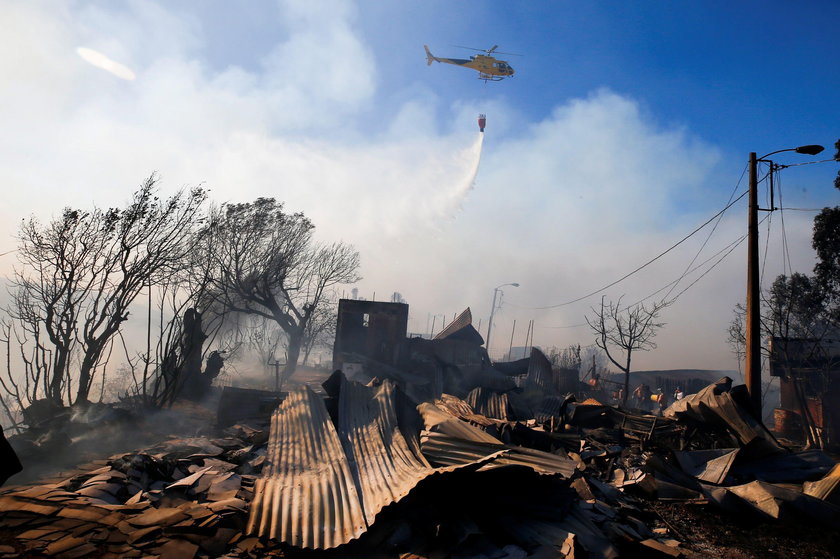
(371, 329)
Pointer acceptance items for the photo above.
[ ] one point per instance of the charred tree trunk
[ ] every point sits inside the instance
(293, 353)
(626, 381)
(188, 374)
(96, 346)
(58, 373)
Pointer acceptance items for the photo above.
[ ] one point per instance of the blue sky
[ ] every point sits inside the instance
(734, 72)
(625, 126)
(711, 65)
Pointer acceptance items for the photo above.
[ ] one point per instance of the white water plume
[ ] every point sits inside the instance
(450, 201)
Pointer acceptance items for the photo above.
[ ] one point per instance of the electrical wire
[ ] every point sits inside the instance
(769, 218)
(643, 266)
(726, 251)
(808, 163)
(709, 236)
(787, 264)
(731, 247)
(722, 258)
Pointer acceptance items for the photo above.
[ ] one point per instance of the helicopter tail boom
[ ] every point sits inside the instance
(429, 56)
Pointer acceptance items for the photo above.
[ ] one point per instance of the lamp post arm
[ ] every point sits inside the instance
(774, 153)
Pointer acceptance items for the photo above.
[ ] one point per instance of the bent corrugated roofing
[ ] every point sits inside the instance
(307, 496)
(324, 485)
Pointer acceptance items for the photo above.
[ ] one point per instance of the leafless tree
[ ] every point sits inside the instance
(621, 331)
(263, 261)
(186, 337)
(320, 332)
(82, 271)
(566, 358)
(58, 273)
(151, 240)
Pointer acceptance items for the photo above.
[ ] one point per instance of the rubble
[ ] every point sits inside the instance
(183, 498)
(395, 466)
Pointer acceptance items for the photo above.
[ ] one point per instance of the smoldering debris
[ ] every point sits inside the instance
(178, 499)
(437, 453)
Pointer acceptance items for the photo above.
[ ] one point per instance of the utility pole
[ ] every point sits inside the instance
(493, 310)
(752, 357)
(752, 366)
(510, 347)
(490, 322)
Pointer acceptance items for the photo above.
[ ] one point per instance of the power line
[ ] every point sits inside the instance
(643, 266)
(808, 163)
(728, 249)
(722, 258)
(766, 247)
(787, 264)
(709, 236)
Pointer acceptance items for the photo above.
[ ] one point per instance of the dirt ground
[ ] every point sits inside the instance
(710, 533)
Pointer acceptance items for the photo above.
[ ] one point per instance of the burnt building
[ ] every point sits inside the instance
(368, 330)
(809, 379)
(371, 342)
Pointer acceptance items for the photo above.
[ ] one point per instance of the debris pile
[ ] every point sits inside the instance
(501, 466)
(183, 498)
(367, 471)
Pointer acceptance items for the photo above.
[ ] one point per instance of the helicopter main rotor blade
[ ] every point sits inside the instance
(487, 51)
(469, 48)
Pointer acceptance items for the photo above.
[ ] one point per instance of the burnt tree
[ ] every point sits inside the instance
(82, 271)
(180, 372)
(619, 332)
(263, 261)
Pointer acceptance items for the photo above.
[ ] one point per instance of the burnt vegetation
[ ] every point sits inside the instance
(197, 270)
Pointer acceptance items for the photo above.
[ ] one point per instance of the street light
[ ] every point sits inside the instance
(493, 310)
(752, 369)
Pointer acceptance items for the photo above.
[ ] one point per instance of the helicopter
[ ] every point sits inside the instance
(489, 67)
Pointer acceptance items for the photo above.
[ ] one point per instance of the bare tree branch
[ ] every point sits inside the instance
(621, 331)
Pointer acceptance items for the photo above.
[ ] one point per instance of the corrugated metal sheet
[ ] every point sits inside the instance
(540, 374)
(385, 468)
(461, 329)
(307, 495)
(446, 450)
(448, 441)
(455, 406)
(550, 406)
(323, 485)
(715, 400)
(461, 321)
(490, 404)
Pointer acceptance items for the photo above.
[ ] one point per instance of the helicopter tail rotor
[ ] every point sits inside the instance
(429, 56)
